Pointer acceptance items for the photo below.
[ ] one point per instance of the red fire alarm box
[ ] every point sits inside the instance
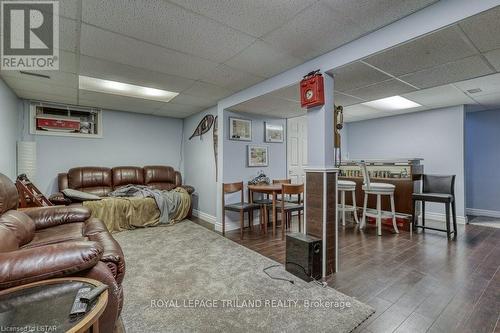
(312, 90)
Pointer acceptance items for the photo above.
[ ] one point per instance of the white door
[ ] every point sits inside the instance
(297, 148)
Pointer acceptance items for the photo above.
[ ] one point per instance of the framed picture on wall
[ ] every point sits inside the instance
(257, 156)
(240, 129)
(273, 132)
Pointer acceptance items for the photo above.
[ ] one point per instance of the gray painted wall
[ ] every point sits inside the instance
(199, 164)
(235, 156)
(235, 152)
(437, 136)
(10, 106)
(482, 133)
(128, 139)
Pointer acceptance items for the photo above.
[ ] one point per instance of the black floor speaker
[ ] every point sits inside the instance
(303, 256)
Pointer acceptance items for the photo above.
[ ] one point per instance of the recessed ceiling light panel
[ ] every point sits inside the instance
(124, 89)
(392, 103)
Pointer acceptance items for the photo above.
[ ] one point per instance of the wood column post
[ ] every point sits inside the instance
(321, 180)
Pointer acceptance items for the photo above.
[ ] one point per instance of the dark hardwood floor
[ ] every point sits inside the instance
(416, 283)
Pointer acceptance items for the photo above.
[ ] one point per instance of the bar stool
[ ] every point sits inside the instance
(378, 189)
(441, 189)
(344, 186)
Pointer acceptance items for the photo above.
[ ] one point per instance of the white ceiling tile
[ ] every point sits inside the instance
(483, 29)
(494, 58)
(108, 70)
(67, 62)
(231, 78)
(360, 110)
(174, 113)
(448, 73)
(356, 75)
(291, 93)
(380, 90)
(314, 31)
(489, 84)
(263, 59)
(167, 24)
(69, 9)
(437, 97)
(57, 78)
(255, 17)
(112, 47)
(41, 86)
(491, 100)
(66, 97)
(438, 48)
(208, 90)
(262, 103)
(68, 34)
(194, 100)
(170, 109)
(373, 14)
(345, 100)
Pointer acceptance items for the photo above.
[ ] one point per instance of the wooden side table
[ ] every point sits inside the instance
(45, 306)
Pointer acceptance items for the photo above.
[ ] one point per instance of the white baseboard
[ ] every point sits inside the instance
(441, 217)
(204, 216)
(230, 225)
(483, 212)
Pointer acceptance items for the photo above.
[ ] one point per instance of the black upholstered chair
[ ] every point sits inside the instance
(441, 189)
(240, 206)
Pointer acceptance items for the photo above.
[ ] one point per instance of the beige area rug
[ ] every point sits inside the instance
(185, 278)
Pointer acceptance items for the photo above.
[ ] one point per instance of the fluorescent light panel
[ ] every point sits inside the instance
(392, 103)
(124, 89)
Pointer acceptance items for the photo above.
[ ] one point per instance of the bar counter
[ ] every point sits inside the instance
(405, 174)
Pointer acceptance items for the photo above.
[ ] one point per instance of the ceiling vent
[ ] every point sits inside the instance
(35, 74)
(474, 91)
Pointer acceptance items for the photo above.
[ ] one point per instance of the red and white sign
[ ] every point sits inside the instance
(58, 124)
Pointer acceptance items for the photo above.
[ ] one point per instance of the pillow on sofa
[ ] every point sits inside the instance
(79, 195)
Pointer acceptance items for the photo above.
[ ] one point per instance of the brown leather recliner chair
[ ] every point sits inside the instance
(42, 243)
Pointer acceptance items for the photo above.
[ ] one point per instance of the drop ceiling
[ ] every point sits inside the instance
(441, 69)
(205, 50)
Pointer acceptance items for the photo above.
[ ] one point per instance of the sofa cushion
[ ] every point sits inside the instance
(9, 199)
(94, 226)
(79, 195)
(57, 234)
(16, 229)
(95, 180)
(158, 174)
(127, 175)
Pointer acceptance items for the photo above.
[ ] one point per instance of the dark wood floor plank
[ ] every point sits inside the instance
(420, 282)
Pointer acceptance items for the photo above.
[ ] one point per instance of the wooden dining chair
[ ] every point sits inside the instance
(240, 206)
(288, 207)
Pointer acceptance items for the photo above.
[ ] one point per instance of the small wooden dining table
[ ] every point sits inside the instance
(273, 190)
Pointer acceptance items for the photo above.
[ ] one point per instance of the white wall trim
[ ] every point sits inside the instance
(483, 212)
(204, 216)
(441, 217)
(230, 225)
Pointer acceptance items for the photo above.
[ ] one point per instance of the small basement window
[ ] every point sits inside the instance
(53, 119)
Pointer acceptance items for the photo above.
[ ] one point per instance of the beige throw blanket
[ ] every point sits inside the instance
(127, 213)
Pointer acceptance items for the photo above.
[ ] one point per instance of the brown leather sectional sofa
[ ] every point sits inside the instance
(101, 181)
(49, 242)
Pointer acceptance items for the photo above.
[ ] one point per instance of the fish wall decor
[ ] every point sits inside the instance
(204, 126)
